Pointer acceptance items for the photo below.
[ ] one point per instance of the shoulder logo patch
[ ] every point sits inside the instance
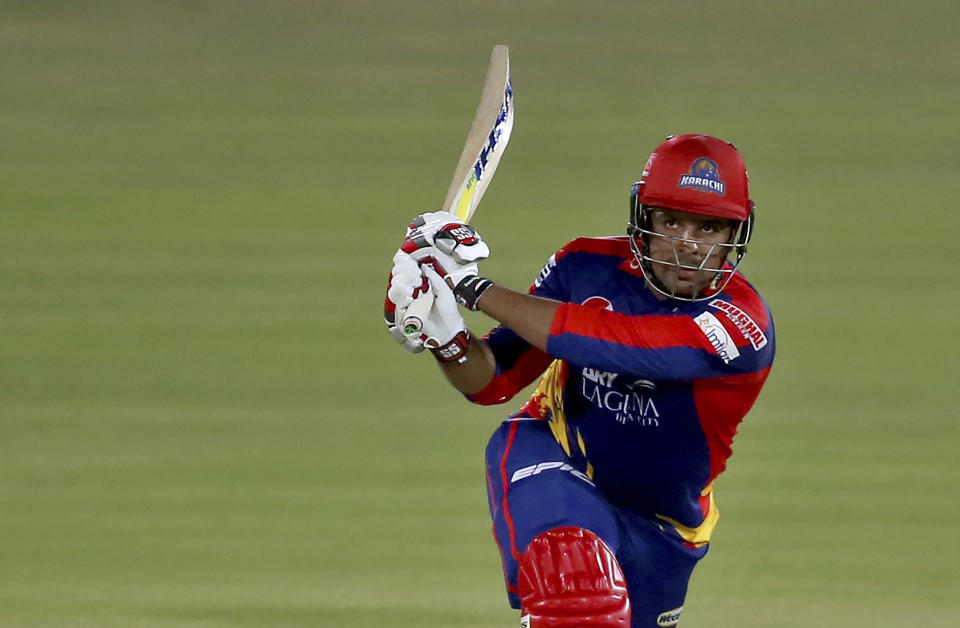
(717, 334)
(545, 271)
(747, 326)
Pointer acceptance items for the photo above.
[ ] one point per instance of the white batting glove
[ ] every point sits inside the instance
(444, 331)
(448, 234)
(449, 245)
(444, 321)
(445, 265)
(427, 223)
(406, 283)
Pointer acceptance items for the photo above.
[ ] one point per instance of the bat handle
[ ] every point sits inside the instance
(417, 313)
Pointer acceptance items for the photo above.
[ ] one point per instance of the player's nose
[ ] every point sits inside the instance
(687, 242)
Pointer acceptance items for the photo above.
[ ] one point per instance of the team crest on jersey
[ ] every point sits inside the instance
(598, 303)
(703, 176)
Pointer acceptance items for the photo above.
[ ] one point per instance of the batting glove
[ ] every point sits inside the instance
(448, 234)
(405, 284)
(426, 224)
(444, 331)
(454, 254)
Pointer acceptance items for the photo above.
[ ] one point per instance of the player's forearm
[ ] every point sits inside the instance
(473, 374)
(529, 316)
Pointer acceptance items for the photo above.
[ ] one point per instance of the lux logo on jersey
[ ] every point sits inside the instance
(629, 406)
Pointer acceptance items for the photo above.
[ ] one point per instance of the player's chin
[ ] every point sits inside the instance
(686, 285)
(684, 292)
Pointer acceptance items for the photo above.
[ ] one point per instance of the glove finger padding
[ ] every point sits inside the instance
(406, 282)
(444, 323)
(445, 266)
(427, 223)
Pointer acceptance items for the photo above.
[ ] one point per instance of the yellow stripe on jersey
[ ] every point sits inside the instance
(700, 535)
(549, 399)
(583, 448)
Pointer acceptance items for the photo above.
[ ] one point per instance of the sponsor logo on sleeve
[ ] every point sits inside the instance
(717, 334)
(545, 272)
(747, 326)
(670, 618)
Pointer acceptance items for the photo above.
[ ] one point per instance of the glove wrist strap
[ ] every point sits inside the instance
(455, 350)
(470, 289)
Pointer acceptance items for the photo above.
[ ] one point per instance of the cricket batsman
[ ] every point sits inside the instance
(650, 348)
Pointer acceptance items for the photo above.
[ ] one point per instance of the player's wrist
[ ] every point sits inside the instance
(470, 290)
(455, 350)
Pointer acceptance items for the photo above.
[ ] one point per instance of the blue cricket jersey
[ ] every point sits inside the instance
(644, 394)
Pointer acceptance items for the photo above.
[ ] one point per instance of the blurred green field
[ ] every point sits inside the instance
(202, 420)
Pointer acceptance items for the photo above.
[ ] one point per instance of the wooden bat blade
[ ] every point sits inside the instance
(486, 141)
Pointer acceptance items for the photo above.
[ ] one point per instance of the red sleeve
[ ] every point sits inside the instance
(685, 346)
(650, 331)
(518, 364)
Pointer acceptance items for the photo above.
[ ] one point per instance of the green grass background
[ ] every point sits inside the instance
(202, 420)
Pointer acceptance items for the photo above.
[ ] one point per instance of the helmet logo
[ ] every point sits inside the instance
(703, 176)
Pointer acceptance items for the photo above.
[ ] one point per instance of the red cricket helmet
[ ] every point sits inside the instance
(699, 174)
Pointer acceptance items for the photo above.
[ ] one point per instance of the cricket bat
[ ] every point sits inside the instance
(479, 159)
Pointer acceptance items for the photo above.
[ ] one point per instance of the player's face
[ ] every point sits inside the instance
(685, 239)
